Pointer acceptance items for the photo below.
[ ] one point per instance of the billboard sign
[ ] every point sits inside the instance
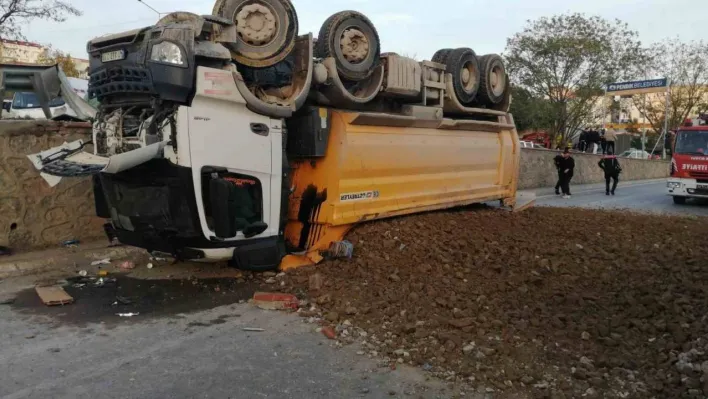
(637, 87)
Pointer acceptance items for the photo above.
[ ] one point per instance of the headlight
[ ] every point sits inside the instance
(673, 184)
(167, 52)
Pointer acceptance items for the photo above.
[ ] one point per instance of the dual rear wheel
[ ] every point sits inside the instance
(475, 80)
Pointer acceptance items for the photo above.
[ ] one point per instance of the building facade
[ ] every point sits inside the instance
(19, 52)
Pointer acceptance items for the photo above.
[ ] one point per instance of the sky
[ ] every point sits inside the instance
(416, 28)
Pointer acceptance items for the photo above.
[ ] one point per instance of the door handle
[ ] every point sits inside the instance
(260, 129)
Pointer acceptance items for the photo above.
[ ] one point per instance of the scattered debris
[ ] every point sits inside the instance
(329, 332)
(123, 300)
(128, 314)
(83, 273)
(253, 329)
(103, 273)
(275, 301)
(127, 265)
(150, 266)
(70, 243)
(106, 261)
(54, 295)
(7, 300)
(315, 282)
(100, 282)
(341, 249)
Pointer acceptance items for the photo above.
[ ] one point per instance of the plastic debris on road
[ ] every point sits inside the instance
(253, 329)
(83, 273)
(106, 261)
(127, 314)
(70, 243)
(150, 266)
(341, 249)
(127, 265)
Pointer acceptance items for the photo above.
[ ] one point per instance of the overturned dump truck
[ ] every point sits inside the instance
(231, 137)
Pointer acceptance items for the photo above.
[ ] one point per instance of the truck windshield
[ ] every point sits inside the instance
(29, 100)
(692, 142)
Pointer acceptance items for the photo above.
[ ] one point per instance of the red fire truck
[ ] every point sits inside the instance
(689, 164)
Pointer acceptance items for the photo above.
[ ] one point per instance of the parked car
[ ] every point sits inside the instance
(25, 105)
(635, 154)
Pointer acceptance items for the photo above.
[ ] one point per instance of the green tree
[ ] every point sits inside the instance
(530, 113)
(15, 14)
(67, 64)
(567, 59)
(686, 67)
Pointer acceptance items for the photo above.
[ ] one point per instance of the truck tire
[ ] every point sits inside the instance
(679, 200)
(463, 65)
(441, 55)
(267, 30)
(492, 81)
(352, 40)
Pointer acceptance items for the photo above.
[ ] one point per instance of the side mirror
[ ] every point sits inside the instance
(6, 106)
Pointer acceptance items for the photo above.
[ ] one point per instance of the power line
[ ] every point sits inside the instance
(150, 7)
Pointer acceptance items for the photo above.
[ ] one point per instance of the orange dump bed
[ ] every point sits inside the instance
(379, 166)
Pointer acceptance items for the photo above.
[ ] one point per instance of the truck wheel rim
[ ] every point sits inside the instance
(468, 76)
(498, 83)
(354, 45)
(257, 24)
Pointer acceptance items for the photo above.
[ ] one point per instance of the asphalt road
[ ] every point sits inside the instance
(641, 196)
(190, 346)
(201, 355)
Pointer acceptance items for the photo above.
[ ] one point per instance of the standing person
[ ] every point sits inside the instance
(612, 168)
(603, 141)
(557, 161)
(582, 141)
(594, 140)
(567, 165)
(610, 138)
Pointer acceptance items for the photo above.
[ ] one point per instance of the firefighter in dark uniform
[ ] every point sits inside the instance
(612, 168)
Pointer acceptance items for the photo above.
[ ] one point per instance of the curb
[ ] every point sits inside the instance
(15, 268)
(544, 192)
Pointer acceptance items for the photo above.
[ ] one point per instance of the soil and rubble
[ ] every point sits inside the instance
(548, 303)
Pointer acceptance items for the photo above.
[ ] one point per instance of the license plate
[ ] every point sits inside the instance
(113, 56)
(702, 186)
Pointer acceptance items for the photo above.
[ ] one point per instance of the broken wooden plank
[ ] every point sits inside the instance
(54, 295)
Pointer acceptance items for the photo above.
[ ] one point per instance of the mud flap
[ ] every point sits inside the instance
(263, 255)
(70, 160)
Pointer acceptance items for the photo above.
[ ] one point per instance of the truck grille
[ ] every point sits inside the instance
(119, 79)
(698, 175)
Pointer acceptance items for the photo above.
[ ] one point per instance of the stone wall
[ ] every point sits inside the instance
(33, 214)
(538, 171)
